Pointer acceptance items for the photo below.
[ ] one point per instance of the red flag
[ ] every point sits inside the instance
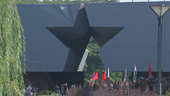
(90, 82)
(103, 76)
(150, 71)
(95, 76)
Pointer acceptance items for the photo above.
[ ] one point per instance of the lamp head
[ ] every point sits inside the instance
(160, 10)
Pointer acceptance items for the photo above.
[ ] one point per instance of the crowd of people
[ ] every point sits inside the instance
(141, 86)
(115, 89)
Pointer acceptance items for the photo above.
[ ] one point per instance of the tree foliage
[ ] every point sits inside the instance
(60, 1)
(95, 64)
(93, 60)
(11, 50)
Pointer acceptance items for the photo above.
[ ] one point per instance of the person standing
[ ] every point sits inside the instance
(62, 90)
(57, 89)
(29, 90)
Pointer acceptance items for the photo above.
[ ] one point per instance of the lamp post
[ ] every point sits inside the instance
(160, 11)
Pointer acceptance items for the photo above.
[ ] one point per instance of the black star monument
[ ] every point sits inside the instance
(76, 37)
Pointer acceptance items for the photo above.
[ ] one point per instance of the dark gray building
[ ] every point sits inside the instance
(134, 44)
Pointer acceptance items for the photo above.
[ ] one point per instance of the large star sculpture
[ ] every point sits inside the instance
(76, 37)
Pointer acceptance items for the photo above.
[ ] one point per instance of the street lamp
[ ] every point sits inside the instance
(160, 11)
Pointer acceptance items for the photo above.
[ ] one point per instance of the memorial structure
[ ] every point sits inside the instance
(57, 35)
(72, 38)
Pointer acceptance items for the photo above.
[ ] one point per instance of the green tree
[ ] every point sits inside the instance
(94, 62)
(11, 50)
(60, 1)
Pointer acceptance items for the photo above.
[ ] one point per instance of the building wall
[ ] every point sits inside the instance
(135, 44)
